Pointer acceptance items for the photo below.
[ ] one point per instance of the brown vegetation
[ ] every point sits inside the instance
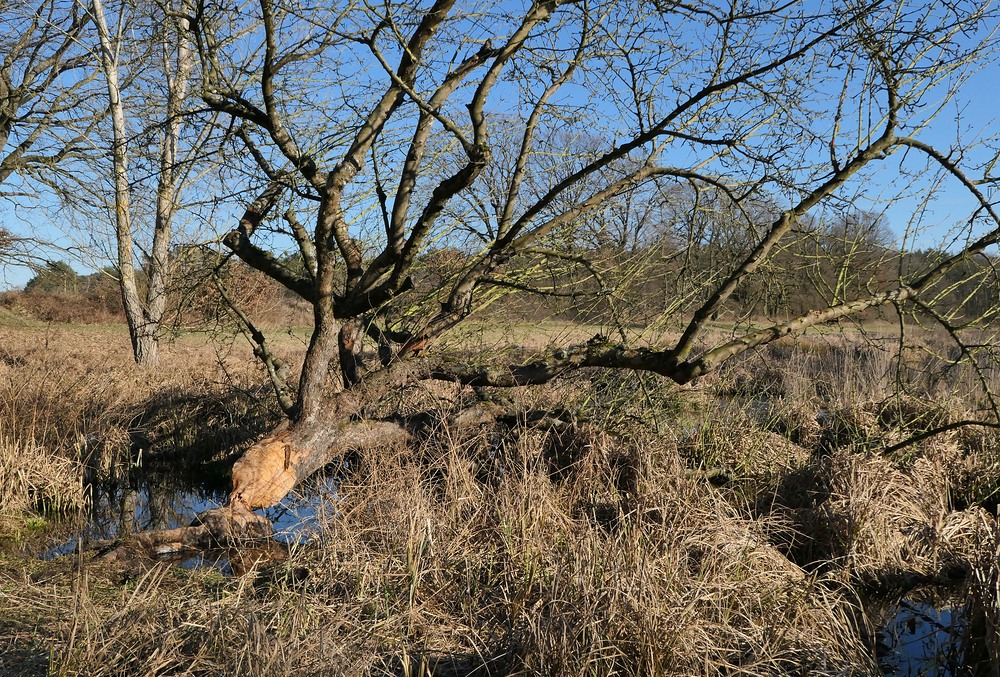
(61, 307)
(707, 483)
(738, 538)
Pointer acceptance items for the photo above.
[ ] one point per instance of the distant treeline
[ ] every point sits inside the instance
(596, 279)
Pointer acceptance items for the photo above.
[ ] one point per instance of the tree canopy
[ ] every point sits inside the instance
(401, 167)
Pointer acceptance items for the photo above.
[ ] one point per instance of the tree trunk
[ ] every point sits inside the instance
(275, 465)
(232, 526)
(142, 333)
(145, 314)
(169, 178)
(146, 345)
(261, 478)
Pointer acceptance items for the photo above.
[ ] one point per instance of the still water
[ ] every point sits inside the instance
(158, 502)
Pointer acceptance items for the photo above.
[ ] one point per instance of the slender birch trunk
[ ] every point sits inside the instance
(144, 315)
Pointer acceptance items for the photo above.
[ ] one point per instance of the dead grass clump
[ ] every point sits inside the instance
(984, 585)
(164, 621)
(34, 479)
(732, 448)
(446, 567)
(797, 420)
(437, 396)
(190, 424)
(835, 369)
(969, 458)
(620, 400)
(421, 568)
(851, 425)
(974, 439)
(66, 392)
(760, 380)
(57, 399)
(860, 515)
(912, 414)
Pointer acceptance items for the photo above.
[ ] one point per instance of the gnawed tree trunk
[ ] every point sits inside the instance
(348, 285)
(275, 465)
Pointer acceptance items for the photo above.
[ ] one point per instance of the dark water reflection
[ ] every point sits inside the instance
(149, 502)
(929, 634)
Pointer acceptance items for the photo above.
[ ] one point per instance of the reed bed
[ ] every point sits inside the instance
(731, 528)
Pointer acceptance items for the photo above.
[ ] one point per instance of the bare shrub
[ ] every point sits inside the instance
(98, 306)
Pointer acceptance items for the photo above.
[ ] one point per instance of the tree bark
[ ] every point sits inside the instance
(232, 526)
(177, 75)
(274, 466)
(143, 336)
(144, 314)
(146, 344)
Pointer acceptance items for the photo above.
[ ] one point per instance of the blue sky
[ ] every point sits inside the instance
(951, 205)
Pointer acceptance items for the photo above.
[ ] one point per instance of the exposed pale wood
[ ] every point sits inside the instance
(272, 467)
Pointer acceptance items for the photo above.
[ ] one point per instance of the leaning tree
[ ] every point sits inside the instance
(379, 132)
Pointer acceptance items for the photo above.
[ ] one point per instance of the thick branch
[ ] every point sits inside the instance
(596, 353)
(306, 246)
(238, 241)
(303, 162)
(775, 234)
(406, 72)
(716, 356)
(601, 353)
(396, 223)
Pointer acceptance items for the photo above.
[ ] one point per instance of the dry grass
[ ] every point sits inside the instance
(670, 532)
(59, 385)
(33, 479)
(421, 569)
(74, 409)
(984, 586)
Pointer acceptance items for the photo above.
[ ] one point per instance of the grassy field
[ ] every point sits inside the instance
(749, 524)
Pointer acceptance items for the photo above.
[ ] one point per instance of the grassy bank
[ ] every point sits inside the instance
(730, 528)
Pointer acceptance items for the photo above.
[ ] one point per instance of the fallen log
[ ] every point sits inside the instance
(231, 526)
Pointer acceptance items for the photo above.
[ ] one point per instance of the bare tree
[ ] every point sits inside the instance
(377, 120)
(171, 48)
(7, 244)
(45, 114)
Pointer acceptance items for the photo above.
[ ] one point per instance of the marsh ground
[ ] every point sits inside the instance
(751, 524)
